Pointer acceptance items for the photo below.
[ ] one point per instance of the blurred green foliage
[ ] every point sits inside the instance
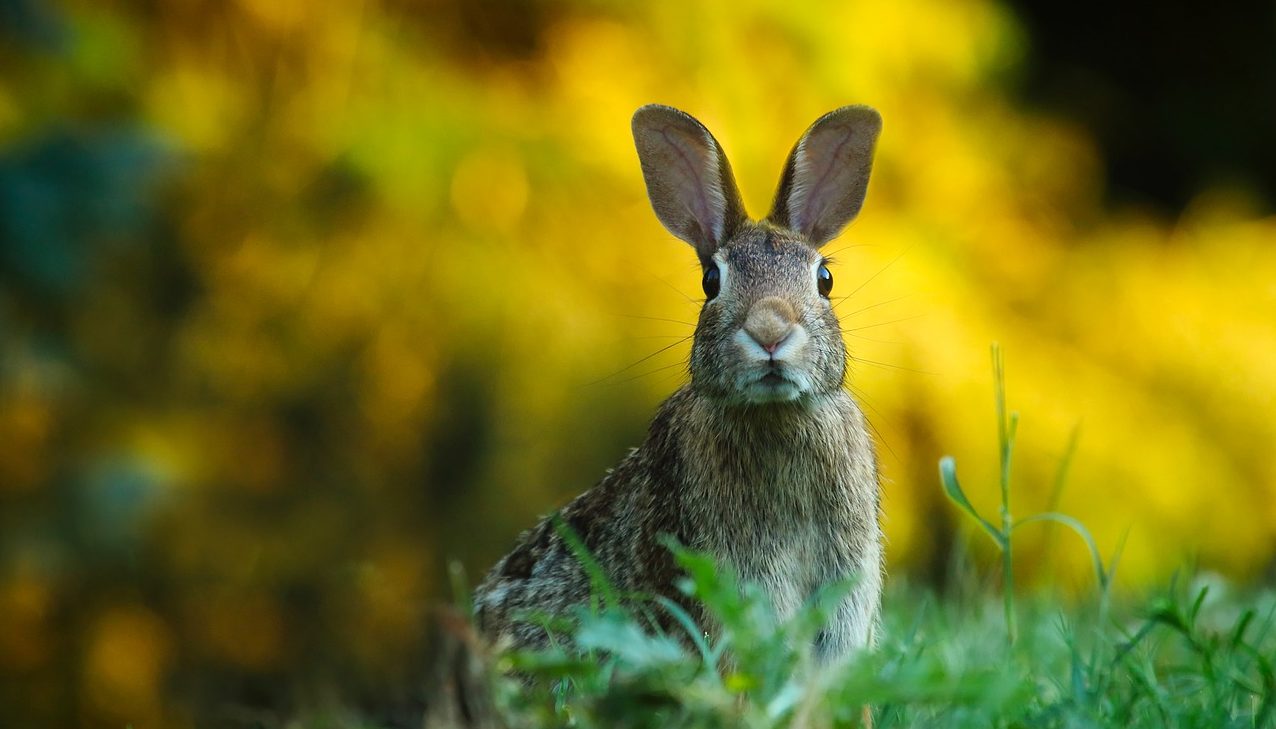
(1196, 654)
(299, 300)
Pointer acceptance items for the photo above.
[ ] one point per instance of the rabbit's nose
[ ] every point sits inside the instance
(770, 322)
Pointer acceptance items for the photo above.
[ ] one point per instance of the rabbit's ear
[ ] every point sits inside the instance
(826, 176)
(688, 178)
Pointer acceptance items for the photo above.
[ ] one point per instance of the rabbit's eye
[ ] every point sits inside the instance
(711, 283)
(824, 280)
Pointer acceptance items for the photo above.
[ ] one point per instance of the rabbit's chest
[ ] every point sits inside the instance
(790, 530)
(789, 504)
(789, 564)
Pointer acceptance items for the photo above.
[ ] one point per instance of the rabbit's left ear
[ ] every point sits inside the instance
(826, 175)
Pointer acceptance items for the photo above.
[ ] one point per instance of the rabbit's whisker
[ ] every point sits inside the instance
(657, 336)
(882, 323)
(831, 256)
(889, 366)
(623, 370)
(875, 341)
(869, 280)
(665, 281)
(866, 308)
(861, 397)
(651, 372)
(656, 318)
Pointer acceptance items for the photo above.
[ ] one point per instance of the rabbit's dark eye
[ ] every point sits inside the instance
(824, 280)
(711, 283)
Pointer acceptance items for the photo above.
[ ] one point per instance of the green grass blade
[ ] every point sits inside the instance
(952, 488)
(598, 582)
(684, 620)
(1065, 466)
(1100, 572)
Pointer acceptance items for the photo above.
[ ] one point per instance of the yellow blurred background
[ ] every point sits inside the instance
(299, 301)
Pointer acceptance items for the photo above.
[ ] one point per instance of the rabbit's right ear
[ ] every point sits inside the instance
(688, 178)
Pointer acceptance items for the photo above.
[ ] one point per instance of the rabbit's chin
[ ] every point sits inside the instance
(773, 387)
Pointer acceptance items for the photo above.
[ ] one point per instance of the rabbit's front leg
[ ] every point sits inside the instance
(853, 625)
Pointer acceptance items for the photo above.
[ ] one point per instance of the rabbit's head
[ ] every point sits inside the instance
(767, 332)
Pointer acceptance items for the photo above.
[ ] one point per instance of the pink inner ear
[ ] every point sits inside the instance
(694, 167)
(823, 176)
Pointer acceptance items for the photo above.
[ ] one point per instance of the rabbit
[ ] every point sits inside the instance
(763, 460)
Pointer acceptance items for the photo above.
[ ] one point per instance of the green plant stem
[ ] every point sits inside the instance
(1006, 427)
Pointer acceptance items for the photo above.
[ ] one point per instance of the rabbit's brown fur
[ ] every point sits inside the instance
(763, 460)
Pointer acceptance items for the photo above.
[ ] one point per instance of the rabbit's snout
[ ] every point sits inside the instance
(771, 323)
(772, 344)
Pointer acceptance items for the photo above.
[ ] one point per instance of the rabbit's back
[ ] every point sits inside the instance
(620, 523)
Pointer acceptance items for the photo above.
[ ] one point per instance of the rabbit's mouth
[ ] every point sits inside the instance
(773, 379)
(772, 386)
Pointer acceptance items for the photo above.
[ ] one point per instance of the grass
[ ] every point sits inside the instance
(1195, 653)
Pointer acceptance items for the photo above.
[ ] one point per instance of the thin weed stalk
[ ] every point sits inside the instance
(1007, 428)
